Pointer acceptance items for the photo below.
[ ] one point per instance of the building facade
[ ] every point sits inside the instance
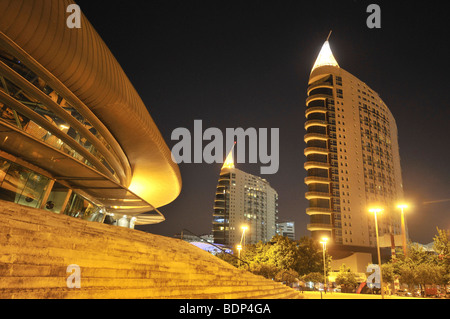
(75, 137)
(352, 157)
(286, 229)
(243, 200)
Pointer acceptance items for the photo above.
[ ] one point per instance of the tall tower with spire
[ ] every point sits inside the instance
(352, 157)
(243, 200)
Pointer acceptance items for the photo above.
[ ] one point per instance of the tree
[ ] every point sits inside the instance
(313, 277)
(282, 252)
(347, 279)
(441, 243)
(422, 267)
(287, 276)
(388, 271)
(406, 272)
(282, 256)
(266, 270)
(310, 258)
(442, 248)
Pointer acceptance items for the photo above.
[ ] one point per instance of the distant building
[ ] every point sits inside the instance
(352, 157)
(241, 200)
(286, 229)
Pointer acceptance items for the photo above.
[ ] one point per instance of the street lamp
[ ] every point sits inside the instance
(239, 248)
(376, 211)
(324, 247)
(244, 228)
(402, 207)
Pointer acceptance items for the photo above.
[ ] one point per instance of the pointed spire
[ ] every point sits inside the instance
(229, 162)
(325, 56)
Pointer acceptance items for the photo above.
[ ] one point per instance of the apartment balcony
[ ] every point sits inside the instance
(315, 109)
(315, 123)
(316, 226)
(318, 97)
(316, 150)
(316, 179)
(219, 205)
(319, 85)
(316, 136)
(310, 164)
(316, 195)
(318, 210)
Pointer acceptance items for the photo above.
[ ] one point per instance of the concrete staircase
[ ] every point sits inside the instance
(37, 246)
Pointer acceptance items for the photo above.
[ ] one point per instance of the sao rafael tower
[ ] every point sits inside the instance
(352, 157)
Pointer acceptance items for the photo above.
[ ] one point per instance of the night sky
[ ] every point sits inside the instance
(246, 64)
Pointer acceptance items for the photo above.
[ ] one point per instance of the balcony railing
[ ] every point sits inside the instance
(315, 123)
(317, 226)
(316, 179)
(316, 136)
(315, 109)
(319, 85)
(316, 150)
(318, 210)
(309, 165)
(313, 195)
(318, 97)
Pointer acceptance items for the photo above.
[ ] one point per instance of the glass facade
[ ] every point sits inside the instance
(15, 77)
(30, 104)
(23, 186)
(57, 198)
(80, 207)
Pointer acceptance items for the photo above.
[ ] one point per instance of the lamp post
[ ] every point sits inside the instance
(402, 207)
(244, 228)
(239, 248)
(376, 211)
(324, 246)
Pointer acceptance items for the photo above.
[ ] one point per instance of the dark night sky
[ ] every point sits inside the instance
(246, 64)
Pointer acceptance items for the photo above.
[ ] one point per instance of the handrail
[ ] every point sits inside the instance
(218, 247)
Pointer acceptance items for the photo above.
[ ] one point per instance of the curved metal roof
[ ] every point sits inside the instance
(79, 61)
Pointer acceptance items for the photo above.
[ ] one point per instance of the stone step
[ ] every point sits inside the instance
(181, 293)
(44, 241)
(46, 261)
(37, 246)
(123, 283)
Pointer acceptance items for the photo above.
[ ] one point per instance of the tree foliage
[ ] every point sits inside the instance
(422, 267)
(283, 259)
(346, 278)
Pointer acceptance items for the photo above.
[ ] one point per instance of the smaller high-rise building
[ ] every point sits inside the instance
(286, 229)
(244, 203)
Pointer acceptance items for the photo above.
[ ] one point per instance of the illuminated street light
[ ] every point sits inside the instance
(375, 211)
(239, 248)
(244, 228)
(402, 207)
(324, 247)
